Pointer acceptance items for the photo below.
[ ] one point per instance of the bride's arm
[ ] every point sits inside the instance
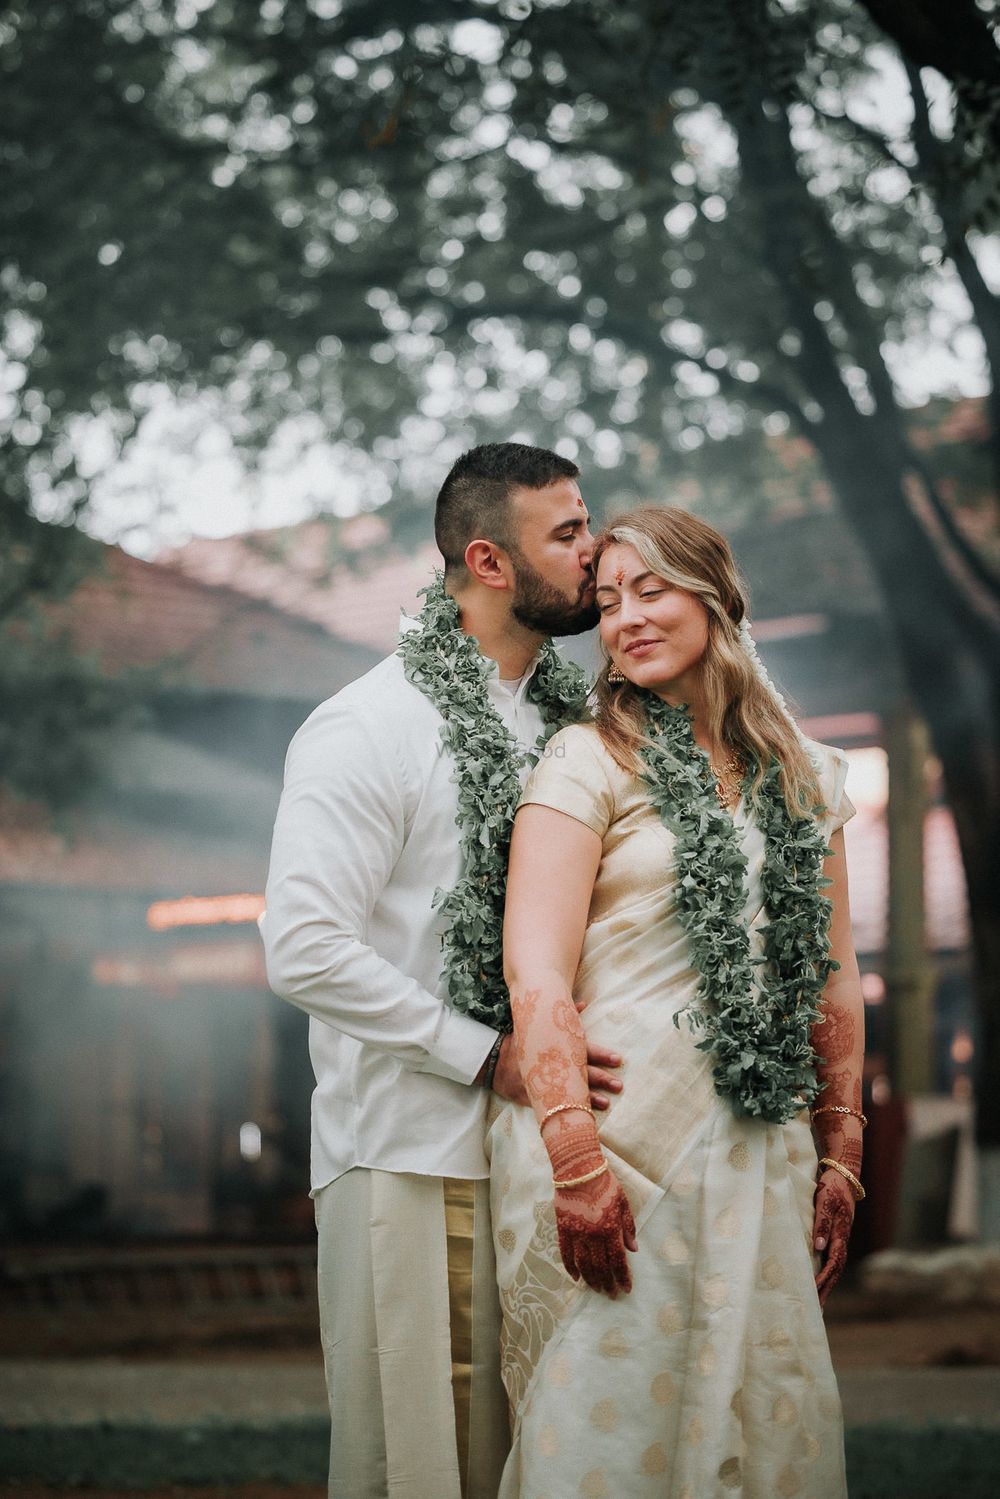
(839, 1038)
(553, 865)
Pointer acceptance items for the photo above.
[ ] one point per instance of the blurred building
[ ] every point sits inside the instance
(152, 1085)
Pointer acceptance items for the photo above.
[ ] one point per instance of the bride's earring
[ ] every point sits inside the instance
(615, 675)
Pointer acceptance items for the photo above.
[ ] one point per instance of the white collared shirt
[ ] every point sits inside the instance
(366, 833)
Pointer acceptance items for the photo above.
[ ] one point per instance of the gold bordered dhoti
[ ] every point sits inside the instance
(409, 1320)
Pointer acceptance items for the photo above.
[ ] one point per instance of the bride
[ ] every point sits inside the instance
(678, 893)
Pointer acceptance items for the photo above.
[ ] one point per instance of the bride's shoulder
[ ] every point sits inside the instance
(577, 738)
(575, 774)
(581, 744)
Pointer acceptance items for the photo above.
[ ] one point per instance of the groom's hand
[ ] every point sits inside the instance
(600, 1079)
(601, 1063)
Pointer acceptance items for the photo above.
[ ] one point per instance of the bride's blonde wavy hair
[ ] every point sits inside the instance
(742, 713)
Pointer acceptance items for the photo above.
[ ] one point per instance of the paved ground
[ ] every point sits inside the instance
(26, 1489)
(920, 1396)
(114, 1428)
(77, 1392)
(73, 1392)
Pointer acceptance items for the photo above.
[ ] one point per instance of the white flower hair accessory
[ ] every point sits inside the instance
(750, 646)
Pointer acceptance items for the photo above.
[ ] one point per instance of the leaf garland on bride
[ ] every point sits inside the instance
(447, 666)
(757, 1024)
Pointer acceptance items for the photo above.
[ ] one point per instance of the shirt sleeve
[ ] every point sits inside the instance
(339, 832)
(572, 777)
(832, 769)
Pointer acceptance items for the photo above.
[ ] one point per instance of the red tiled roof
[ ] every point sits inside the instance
(133, 614)
(290, 568)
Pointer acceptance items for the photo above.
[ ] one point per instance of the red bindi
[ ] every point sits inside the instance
(619, 575)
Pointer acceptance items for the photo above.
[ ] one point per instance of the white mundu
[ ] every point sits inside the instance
(366, 833)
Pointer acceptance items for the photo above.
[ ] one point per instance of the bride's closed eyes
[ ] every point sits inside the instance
(647, 593)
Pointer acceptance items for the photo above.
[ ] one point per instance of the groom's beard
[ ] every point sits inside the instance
(541, 607)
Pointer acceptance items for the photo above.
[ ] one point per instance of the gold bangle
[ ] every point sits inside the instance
(839, 1108)
(859, 1191)
(578, 1181)
(562, 1108)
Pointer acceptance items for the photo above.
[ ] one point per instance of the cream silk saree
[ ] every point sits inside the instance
(713, 1377)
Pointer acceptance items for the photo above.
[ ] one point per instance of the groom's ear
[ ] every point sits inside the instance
(489, 564)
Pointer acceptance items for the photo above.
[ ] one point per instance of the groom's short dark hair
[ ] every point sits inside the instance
(474, 500)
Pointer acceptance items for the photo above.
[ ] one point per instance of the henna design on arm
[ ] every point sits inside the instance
(840, 1135)
(833, 1036)
(838, 1039)
(842, 1142)
(850, 1156)
(523, 1007)
(842, 1088)
(574, 1150)
(548, 1077)
(550, 1048)
(566, 1019)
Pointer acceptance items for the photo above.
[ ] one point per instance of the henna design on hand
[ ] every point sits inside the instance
(834, 1034)
(594, 1222)
(832, 1222)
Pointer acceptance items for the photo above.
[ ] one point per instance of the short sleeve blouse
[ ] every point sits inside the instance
(831, 768)
(578, 776)
(575, 775)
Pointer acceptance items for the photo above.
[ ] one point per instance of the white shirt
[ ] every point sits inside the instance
(366, 833)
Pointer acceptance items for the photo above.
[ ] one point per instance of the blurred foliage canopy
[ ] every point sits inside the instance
(638, 228)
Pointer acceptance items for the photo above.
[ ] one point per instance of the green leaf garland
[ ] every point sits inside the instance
(447, 666)
(757, 1024)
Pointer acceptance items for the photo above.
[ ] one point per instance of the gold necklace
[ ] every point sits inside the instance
(729, 781)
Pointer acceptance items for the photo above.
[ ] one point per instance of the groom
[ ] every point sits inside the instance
(372, 823)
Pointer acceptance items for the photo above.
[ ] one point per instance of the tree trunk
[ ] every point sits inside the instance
(909, 969)
(943, 182)
(946, 630)
(955, 39)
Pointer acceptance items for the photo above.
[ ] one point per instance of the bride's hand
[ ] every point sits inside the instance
(832, 1221)
(596, 1227)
